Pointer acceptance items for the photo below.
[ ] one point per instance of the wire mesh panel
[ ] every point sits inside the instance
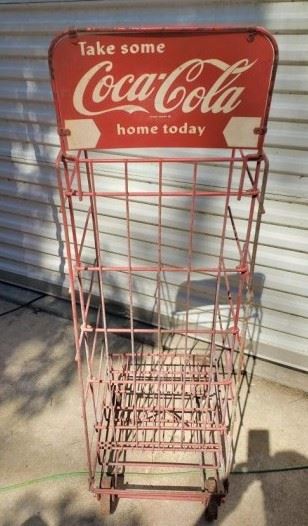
(160, 383)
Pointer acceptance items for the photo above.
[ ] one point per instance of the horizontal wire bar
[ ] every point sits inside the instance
(117, 330)
(175, 465)
(205, 193)
(161, 381)
(149, 409)
(163, 446)
(192, 495)
(161, 355)
(145, 160)
(163, 427)
(154, 268)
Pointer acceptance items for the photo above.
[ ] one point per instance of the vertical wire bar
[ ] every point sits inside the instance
(191, 396)
(74, 171)
(237, 241)
(92, 353)
(130, 291)
(99, 387)
(261, 211)
(68, 180)
(84, 307)
(159, 254)
(251, 211)
(233, 312)
(83, 337)
(74, 307)
(78, 177)
(77, 252)
(241, 185)
(242, 341)
(217, 291)
(245, 253)
(95, 338)
(188, 291)
(73, 228)
(173, 392)
(84, 233)
(229, 354)
(88, 302)
(91, 184)
(225, 355)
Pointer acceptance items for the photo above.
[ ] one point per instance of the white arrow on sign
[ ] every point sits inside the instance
(240, 132)
(83, 133)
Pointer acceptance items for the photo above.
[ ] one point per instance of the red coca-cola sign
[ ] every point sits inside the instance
(162, 88)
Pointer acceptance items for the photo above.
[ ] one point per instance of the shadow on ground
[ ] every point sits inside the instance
(37, 364)
(33, 510)
(36, 361)
(282, 493)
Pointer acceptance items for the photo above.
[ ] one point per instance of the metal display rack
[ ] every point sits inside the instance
(161, 397)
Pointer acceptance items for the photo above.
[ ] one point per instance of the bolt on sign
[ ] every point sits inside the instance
(187, 87)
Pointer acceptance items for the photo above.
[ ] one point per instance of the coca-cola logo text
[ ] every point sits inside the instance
(99, 91)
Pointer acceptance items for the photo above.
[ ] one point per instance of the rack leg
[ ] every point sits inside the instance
(105, 501)
(216, 497)
(108, 503)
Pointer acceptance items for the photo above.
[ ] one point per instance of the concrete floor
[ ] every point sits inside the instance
(41, 434)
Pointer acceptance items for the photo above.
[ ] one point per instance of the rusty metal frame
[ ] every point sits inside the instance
(114, 390)
(164, 400)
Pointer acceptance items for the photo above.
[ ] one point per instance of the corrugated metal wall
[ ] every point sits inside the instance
(31, 240)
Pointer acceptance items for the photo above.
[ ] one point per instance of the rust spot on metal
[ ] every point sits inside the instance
(260, 131)
(251, 35)
(64, 132)
(73, 35)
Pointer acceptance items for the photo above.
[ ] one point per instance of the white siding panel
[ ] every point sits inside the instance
(292, 79)
(31, 236)
(289, 107)
(277, 16)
